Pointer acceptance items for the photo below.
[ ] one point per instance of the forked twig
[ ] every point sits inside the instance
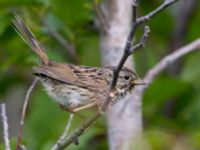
(127, 53)
(128, 50)
(161, 65)
(5, 127)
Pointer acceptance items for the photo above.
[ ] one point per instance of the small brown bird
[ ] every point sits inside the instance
(76, 87)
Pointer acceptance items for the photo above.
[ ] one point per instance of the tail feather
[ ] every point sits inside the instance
(30, 39)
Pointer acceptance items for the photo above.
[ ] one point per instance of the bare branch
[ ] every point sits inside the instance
(142, 42)
(5, 127)
(135, 7)
(73, 137)
(152, 73)
(130, 38)
(149, 16)
(127, 53)
(170, 59)
(128, 50)
(23, 114)
(64, 135)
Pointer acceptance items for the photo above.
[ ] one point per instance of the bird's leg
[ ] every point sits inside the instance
(85, 106)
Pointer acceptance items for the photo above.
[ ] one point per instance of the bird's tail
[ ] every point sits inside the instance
(30, 39)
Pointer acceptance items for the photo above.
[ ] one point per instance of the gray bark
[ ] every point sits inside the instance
(124, 119)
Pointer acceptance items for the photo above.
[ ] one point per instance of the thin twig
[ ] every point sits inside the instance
(126, 54)
(135, 7)
(80, 130)
(23, 114)
(195, 45)
(135, 24)
(142, 42)
(64, 135)
(161, 65)
(127, 49)
(149, 16)
(5, 127)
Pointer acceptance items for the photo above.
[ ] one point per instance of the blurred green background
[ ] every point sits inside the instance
(171, 105)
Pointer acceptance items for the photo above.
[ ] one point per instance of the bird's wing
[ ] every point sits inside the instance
(86, 77)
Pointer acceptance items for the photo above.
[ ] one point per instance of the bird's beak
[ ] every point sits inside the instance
(138, 82)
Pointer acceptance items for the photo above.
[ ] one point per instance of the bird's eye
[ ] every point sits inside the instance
(126, 77)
